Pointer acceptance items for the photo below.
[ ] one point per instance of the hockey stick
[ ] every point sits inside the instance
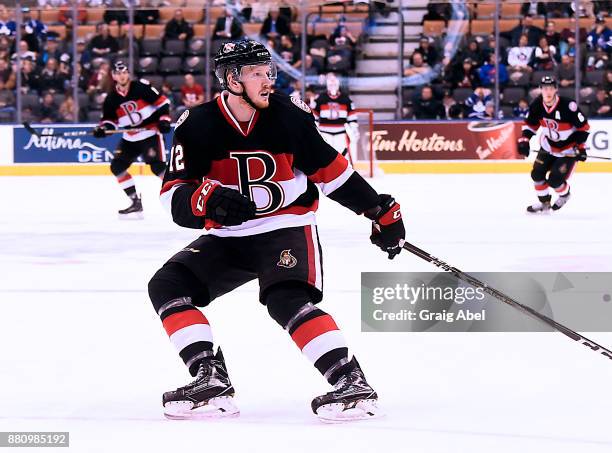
(28, 127)
(507, 300)
(589, 156)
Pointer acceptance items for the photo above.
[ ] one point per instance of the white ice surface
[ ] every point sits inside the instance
(83, 351)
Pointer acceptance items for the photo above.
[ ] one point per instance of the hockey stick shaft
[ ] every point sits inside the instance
(589, 156)
(33, 131)
(508, 300)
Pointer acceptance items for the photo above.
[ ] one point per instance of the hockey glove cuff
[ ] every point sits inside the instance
(221, 205)
(387, 226)
(164, 126)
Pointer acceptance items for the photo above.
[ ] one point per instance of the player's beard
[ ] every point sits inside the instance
(262, 98)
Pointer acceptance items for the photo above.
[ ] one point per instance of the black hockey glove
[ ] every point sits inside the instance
(99, 132)
(221, 205)
(164, 126)
(581, 154)
(387, 226)
(523, 146)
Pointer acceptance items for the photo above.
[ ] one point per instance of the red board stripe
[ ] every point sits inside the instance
(183, 319)
(312, 329)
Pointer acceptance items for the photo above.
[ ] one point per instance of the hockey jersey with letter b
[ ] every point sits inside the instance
(563, 125)
(277, 160)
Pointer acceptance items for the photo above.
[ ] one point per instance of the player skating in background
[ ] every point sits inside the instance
(333, 112)
(135, 104)
(246, 167)
(564, 134)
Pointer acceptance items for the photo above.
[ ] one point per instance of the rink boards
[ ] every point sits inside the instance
(400, 147)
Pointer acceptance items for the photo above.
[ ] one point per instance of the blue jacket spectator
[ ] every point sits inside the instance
(600, 38)
(487, 73)
(521, 110)
(477, 102)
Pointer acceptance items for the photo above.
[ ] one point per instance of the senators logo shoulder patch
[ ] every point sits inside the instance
(573, 106)
(299, 103)
(181, 119)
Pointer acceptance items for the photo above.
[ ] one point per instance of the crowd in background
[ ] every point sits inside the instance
(464, 88)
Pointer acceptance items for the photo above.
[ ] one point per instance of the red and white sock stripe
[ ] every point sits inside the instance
(541, 188)
(125, 180)
(187, 327)
(562, 189)
(318, 336)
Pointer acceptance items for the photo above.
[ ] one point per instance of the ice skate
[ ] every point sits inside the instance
(210, 395)
(559, 202)
(132, 212)
(351, 399)
(542, 206)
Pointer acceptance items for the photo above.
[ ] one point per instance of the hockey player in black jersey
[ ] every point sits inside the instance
(134, 104)
(248, 167)
(562, 144)
(335, 117)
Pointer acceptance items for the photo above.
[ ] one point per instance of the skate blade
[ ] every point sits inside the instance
(543, 212)
(341, 412)
(220, 407)
(132, 216)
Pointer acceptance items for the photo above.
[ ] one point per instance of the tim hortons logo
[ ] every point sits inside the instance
(411, 142)
(287, 259)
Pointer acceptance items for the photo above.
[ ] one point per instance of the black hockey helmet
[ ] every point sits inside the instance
(234, 55)
(120, 66)
(548, 80)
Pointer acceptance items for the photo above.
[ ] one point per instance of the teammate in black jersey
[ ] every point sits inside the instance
(564, 134)
(134, 104)
(248, 167)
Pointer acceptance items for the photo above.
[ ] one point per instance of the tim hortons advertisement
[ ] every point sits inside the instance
(446, 140)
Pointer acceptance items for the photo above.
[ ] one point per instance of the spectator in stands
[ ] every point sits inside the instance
(567, 45)
(47, 110)
(7, 75)
(99, 82)
(558, 9)
(103, 44)
(178, 27)
(312, 67)
(50, 80)
(552, 35)
(83, 54)
(526, 27)
(520, 58)
(5, 47)
(227, 27)
(418, 65)
(533, 8)
(473, 52)
(116, 13)
(597, 60)
(600, 38)
(66, 110)
(30, 76)
(167, 90)
(476, 103)
(545, 56)
(310, 96)
(192, 93)
(342, 31)
(33, 26)
(602, 105)
(438, 11)
(275, 25)
(521, 109)
(466, 77)
(448, 101)
(51, 50)
(340, 56)
(83, 77)
(487, 72)
(429, 52)
(455, 112)
(287, 50)
(428, 108)
(25, 52)
(5, 20)
(566, 72)
(489, 48)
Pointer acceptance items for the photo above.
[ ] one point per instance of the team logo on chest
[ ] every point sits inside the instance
(552, 128)
(249, 182)
(287, 259)
(130, 109)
